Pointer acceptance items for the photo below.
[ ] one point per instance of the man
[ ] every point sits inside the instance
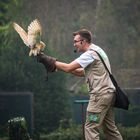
(102, 92)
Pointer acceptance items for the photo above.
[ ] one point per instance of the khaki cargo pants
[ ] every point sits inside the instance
(100, 114)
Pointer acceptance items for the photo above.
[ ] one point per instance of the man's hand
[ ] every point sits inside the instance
(47, 61)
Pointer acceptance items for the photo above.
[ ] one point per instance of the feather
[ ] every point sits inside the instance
(21, 33)
(34, 32)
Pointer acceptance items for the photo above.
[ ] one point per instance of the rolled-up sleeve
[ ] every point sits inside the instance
(85, 59)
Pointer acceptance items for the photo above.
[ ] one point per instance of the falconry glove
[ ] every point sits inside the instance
(47, 61)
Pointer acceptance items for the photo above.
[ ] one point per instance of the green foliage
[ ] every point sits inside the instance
(128, 118)
(17, 129)
(116, 28)
(74, 132)
(130, 133)
(28, 75)
(19, 72)
(118, 31)
(7, 17)
(83, 89)
(6, 6)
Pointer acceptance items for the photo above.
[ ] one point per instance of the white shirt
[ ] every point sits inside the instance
(87, 57)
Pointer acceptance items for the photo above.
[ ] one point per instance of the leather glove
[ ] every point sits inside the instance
(47, 61)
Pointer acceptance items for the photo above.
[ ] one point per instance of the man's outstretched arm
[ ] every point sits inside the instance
(51, 64)
(72, 67)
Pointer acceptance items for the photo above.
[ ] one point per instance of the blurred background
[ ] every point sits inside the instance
(49, 105)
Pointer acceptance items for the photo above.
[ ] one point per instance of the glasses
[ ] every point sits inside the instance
(75, 41)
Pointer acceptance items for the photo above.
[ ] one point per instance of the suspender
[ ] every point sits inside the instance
(110, 75)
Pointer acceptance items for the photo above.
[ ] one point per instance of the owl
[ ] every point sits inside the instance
(31, 38)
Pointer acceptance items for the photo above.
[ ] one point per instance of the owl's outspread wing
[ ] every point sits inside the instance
(34, 33)
(22, 33)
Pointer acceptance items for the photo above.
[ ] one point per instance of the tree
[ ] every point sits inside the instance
(19, 72)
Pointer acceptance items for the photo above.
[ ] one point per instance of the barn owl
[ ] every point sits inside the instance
(32, 38)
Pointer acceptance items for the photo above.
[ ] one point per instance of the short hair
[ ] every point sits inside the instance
(85, 34)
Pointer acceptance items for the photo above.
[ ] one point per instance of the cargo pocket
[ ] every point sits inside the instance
(99, 103)
(106, 100)
(93, 117)
(93, 105)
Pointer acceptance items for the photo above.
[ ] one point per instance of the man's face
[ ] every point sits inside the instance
(78, 43)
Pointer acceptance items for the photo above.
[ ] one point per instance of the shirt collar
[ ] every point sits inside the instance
(91, 46)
